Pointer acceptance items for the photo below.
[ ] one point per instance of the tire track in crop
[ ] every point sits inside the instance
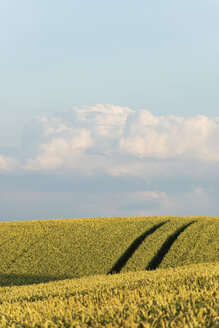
(7, 241)
(121, 262)
(25, 250)
(164, 249)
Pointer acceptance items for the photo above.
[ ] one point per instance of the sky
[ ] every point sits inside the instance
(108, 108)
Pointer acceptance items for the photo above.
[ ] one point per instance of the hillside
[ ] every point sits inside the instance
(40, 251)
(183, 297)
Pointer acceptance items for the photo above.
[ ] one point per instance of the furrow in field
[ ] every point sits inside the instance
(24, 240)
(60, 250)
(159, 256)
(24, 251)
(121, 262)
(197, 245)
(40, 251)
(7, 241)
(13, 247)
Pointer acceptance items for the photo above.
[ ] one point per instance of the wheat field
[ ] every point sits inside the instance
(110, 272)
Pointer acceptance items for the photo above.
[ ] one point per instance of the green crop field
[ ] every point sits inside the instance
(168, 272)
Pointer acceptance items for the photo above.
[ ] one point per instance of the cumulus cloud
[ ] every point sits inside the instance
(106, 120)
(117, 161)
(117, 140)
(52, 126)
(164, 137)
(61, 151)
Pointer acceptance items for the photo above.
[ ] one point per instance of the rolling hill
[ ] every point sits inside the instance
(177, 297)
(46, 250)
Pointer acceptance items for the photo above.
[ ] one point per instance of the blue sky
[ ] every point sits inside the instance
(153, 151)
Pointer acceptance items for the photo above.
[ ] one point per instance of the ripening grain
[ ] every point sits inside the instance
(41, 251)
(181, 297)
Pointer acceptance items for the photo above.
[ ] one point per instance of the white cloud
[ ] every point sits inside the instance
(118, 141)
(52, 125)
(61, 152)
(105, 120)
(8, 164)
(125, 162)
(168, 137)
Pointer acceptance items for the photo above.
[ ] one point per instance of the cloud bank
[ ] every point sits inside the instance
(116, 139)
(165, 162)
